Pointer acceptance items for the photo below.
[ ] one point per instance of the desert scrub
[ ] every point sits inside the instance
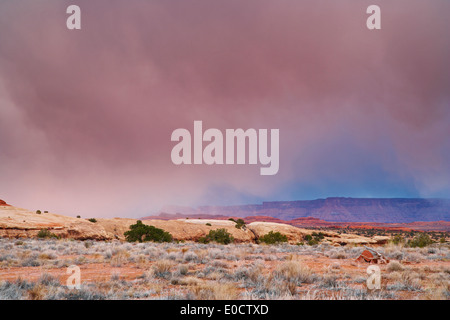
(45, 233)
(119, 258)
(248, 275)
(190, 257)
(294, 271)
(397, 255)
(348, 293)
(221, 236)
(273, 238)
(394, 266)
(216, 291)
(218, 264)
(47, 255)
(334, 267)
(142, 233)
(14, 290)
(182, 270)
(272, 286)
(330, 282)
(421, 240)
(409, 281)
(209, 269)
(314, 238)
(414, 257)
(240, 223)
(336, 254)
(216, 253)
(161, 269)
(31, 261)
(46, 288)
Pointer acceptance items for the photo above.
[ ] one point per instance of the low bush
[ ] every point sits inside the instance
(394, 266)
(273, 238)
(310, 240)
(143, 233)
(398, 239)
(221, 236)
(421, 240)
(45, 233)
(240, 223)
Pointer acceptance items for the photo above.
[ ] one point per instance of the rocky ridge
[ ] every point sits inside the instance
(335, 209)
(22, 223)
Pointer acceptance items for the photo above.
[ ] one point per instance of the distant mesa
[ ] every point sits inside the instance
(22, 223)
(335, 209)
(310, 222)
(290, 218)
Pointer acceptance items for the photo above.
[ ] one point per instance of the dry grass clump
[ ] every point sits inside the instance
(338, 254)
(38, 292)
(161, 269)
(202, 255)
(182, 270)
(294, 271)
(414, 257)
(47, 256)
(408, 281)
(394, 266)
(248, 274)
(334, 267)
(119, 258)
(215, 291)
(189, 281)
(190, 257)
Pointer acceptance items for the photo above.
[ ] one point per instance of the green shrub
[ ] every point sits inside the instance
(203, 240)
(44, 233)
(398, 239)
(38, 211)
(310, 240)
(219, 235)
(92, 220)
(318, 236)
(240, 224)
(208, 224)
(421, 240)
(273, 237)
(142, 233)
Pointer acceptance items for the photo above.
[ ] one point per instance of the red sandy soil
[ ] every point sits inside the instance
(102, 272)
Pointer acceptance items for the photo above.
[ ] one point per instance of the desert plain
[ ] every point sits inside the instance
(311, 264)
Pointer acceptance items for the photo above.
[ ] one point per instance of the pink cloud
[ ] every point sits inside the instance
(87, 115)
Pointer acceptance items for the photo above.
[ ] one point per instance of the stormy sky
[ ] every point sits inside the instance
(86, 115)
